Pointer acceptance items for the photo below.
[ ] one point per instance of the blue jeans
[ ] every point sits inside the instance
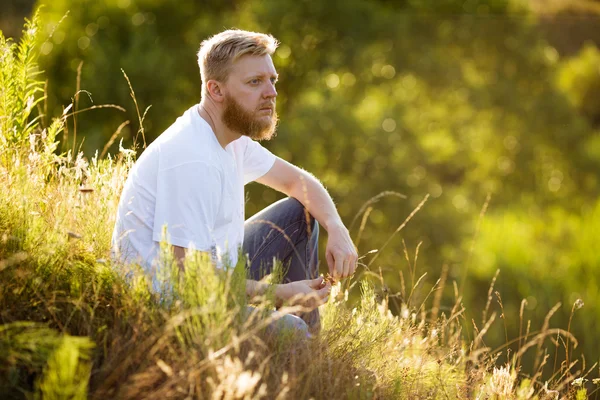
(287, 232)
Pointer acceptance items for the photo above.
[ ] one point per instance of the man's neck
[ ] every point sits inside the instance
(209, 112)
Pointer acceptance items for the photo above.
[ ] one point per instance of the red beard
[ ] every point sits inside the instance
(247, 123)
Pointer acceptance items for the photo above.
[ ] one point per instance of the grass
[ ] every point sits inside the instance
(72, 327)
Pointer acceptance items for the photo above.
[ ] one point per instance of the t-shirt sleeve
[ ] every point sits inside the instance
(187, 202)
(257, 160)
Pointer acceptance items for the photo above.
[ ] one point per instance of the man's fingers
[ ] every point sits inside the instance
(352, 265)
(339, 266)
(313, 299)
(316, 283)
(305, 299)
(344, 270)
(347, 267)
(330, 262)
(322, 293)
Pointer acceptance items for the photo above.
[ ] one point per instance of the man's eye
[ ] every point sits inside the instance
(255, 81)
(273, 80)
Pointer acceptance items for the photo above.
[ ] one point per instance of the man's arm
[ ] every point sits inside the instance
(295, 182)
(283, 292)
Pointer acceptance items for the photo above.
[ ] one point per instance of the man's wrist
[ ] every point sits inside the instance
(255, 288)
(280, 293)
(334, 225)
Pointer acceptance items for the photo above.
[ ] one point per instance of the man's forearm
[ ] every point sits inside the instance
(340, 253)
(256, 289)
(313, 195)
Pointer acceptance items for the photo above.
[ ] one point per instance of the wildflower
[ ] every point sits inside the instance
(578, 304)
(80, 166)
(502, 381)
(596, 381)
(579, 382)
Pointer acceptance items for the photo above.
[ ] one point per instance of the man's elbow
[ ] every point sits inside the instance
(301, 185)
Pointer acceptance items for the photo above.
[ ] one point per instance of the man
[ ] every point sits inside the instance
(191, 180)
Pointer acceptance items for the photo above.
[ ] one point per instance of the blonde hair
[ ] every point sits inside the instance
(218, 52)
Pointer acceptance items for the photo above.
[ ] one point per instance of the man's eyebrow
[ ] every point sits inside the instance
(275, 75)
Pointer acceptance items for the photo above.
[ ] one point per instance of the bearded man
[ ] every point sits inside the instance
(190, 183)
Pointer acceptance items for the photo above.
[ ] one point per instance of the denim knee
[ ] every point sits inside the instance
(283, 323)
(290, 324)
(289, 321)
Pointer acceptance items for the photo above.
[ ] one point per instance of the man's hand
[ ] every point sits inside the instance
(340, 252)
(309, 293)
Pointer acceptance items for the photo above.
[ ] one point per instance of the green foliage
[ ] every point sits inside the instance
(581, 394)
(68, 370)
(19, 89)
(30, 347)
(522, 246)
(217, 298)
(579, 78)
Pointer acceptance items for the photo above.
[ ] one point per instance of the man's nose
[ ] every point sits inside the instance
(270, 92)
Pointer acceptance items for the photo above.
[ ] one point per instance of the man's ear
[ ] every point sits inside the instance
(215, 90)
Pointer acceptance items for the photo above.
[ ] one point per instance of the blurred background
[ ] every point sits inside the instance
(464, 100)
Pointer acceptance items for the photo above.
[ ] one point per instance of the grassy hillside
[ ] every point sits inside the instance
(72, 327)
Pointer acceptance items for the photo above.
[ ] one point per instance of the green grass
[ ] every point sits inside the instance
(72, 327)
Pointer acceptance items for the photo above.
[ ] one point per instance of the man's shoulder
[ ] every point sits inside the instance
(185, 141)
(184, 129)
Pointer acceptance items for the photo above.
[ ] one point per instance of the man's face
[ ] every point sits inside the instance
(249, 107)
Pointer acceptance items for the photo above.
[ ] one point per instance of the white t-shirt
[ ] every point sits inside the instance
(187, 182)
